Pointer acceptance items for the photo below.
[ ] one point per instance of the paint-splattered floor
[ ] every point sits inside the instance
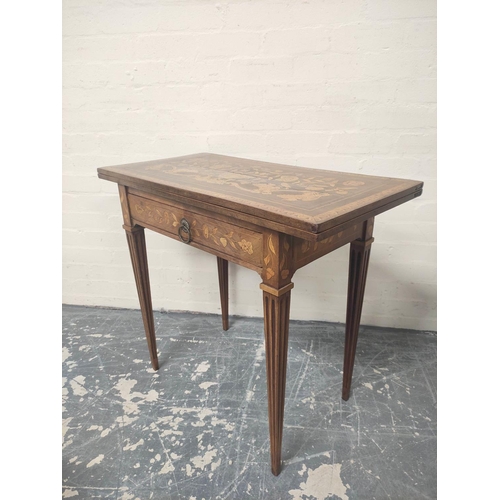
(197, 428)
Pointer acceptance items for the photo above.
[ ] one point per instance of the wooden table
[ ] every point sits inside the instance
(271, 218)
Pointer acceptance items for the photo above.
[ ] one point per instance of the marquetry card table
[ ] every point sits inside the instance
(271, 218)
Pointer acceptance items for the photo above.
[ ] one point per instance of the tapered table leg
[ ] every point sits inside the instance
(137, 246)
(358, 267)
(276, 286)
(276, 318)
(224, 291)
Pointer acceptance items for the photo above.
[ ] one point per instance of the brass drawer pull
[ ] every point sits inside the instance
(184, 227)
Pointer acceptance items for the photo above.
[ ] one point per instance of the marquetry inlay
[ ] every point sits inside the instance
(306, 199)
(206, 230)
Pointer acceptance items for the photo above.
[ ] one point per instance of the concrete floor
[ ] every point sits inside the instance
(197, 428)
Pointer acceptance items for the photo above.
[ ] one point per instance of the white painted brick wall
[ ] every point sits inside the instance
(341, 85)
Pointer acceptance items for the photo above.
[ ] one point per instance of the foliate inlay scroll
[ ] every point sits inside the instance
(285, 263)
(222, 239)
(278, 264)
(205, 230)
(270, 257)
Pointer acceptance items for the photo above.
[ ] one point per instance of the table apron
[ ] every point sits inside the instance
(307, 251)
(222, 238)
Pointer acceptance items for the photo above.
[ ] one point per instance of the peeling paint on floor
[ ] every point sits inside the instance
(321, 483)
(197, 429)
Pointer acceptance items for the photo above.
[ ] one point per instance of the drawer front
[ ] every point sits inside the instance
(205, 231)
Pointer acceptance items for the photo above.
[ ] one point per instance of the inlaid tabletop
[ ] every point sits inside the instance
(308, 199)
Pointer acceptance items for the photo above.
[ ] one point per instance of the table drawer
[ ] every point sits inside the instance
(204, 230)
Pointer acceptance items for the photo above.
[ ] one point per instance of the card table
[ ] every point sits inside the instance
(268, 217)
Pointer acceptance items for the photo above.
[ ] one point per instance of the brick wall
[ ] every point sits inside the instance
(342, 85)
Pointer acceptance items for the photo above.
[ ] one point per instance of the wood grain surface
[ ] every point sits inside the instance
(308, 199)
(222, 267)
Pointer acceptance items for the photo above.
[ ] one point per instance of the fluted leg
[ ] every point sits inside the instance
(224, 291)
(276, 318)
(137, 246)
(358, 267)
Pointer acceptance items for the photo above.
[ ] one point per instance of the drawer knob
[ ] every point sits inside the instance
(184, 228)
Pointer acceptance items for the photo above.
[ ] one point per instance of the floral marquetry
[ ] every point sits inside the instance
(208, 231)
(259, 179)
(303, 199)
(246, 246)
